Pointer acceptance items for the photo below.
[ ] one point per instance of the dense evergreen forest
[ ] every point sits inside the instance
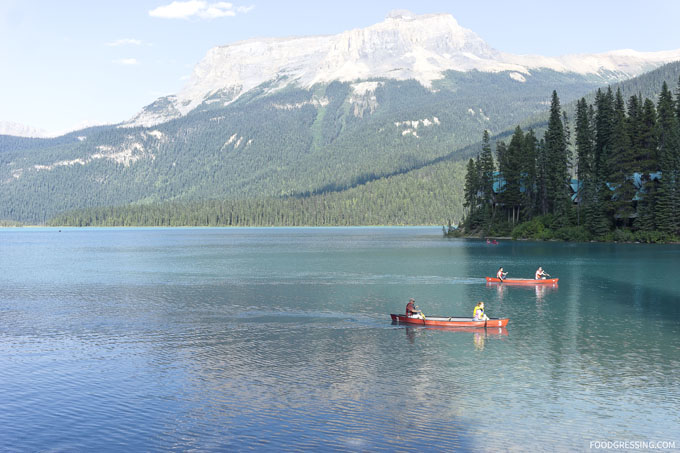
(429, 195)
(615, 177)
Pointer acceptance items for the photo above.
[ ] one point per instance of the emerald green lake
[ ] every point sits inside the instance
(280, 339)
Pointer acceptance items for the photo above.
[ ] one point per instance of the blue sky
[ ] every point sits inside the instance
(66, 62)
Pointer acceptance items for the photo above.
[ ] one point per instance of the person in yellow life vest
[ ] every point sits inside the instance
(478, 312)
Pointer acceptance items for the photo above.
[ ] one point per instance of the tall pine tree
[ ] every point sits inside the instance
(486, 171)
(667, 196)
(529, 176)
(621, 165)
(511, 170)
(584, 155)
(557, 170)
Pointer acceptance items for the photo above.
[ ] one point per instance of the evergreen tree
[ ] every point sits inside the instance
(604, 120)
(486, 170)
(642, 132)
(677, 101)
(600, 192)
(471, 190)
(667, 202)
(621, 165)
(542, 200)
(647, 139)
(646, 161)
(634, 128)
(529, 175)
(503, 160)
(584, 155)
(557, 163)
(510, 170)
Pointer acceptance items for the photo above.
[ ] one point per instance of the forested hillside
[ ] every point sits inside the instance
(429, 196)
(431, 193)
(288, 143)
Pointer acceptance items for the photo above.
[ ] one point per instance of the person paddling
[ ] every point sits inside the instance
(541, 274)
(412, 309)
(500, 275)
(478, 312)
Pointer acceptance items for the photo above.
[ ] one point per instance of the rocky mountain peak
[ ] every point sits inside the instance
(403, 46)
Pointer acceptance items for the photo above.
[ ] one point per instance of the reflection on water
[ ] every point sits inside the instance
(540, 290)
(543, 290)
(500, 289)
(281, 339)
(479, 339)
(479, 334)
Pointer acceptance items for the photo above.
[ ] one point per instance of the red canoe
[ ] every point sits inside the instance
(450, 321)
(522, 281)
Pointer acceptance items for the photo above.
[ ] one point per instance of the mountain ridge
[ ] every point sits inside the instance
(425, 194)
(402, 47)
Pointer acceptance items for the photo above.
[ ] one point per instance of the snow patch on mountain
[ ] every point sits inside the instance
(126, 154)
(135, 148)
(315, 102)
(410, 127)
(480, 112)
(416, 123)
(363, 98)
(158, 135)
(235, 142)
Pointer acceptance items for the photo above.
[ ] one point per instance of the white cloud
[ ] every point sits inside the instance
(126, 61)
(124, 42)
(198, 8)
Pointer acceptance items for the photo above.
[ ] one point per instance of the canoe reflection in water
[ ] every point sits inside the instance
(540, 290)
(479, 334)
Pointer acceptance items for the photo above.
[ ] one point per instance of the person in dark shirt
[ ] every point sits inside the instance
(411, 308)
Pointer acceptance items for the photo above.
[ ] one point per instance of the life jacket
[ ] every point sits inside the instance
(474, 312)
(499, 274)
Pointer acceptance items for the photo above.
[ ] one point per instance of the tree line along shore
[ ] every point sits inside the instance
(616, 177)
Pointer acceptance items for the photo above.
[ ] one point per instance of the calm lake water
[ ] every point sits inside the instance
(281, 339)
